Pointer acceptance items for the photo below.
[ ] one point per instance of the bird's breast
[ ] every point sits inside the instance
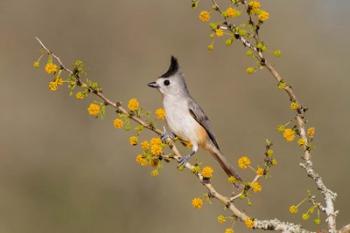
(182, 123)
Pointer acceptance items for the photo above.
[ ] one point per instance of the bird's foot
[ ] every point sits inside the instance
(166, 135)
(184, 159)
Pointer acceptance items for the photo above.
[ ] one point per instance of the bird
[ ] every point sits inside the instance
(186, 119)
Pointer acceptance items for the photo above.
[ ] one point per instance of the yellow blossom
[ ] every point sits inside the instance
(197, 202)
(281, 128)
(154, 172)
(79, 95)
(311, 132)
(133, 140)
(221, 219)
(145, 145)
(269, 152)
(263, 15)
(141, 160)
(301, 142)
(133, 104)
(256, 187)
(196, 169)
(36, 64)
(260, 171)
(156, 141)
(59, 80)
(160, 113)
(232, 12)
(94, 109)
(305, 216)
(317, 221)
(274, 162)
(293, 209)
(118, 123)
(51, 68)
(219, 32)
(250, 70)
(244, 162)
(232, 179)
(249, 223)
(294, 105)
(289, 134)
(207, 172)
(204, 16)
(229, 230)
(254, 5)
(156, 149)
(53, 86)
(210, 47)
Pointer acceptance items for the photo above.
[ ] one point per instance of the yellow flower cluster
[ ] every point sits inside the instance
(133, 104)
(156, 146)
(141, 160)
(79, 95)
(221, 219)
(207, 172)
(305, 216)
(229, 230)
(293, 209)
(255, 8)
(232, 12)
(289, 134)
(51, 68)
(145, 145)
(254, 5)
(160, 113)
(301, 142)
(53, 85)
(94, 109)
(118, 123)
(256, 187)
(263, 15)
(249, 223)
(204, 16)
(232, 179)
(197, 202)
(244, 162)
(269, 152)
(260, 171)
(294, 105)
(311, 132)
(133, 140)
(219, 32)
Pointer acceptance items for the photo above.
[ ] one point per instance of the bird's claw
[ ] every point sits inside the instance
(183, 160)
(166, 135)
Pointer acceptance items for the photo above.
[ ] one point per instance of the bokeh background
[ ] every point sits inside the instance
(64, 171)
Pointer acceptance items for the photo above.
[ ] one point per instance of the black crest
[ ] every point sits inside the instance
(173, 68)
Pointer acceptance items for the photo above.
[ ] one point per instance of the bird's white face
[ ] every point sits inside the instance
(173, 85)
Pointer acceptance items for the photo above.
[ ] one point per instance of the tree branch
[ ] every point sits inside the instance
(273, 224)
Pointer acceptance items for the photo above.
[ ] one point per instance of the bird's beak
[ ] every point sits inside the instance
(153, 85)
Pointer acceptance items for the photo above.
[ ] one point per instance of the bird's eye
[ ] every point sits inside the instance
(166, 82)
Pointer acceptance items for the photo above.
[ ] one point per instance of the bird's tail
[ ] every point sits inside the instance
(224, 163)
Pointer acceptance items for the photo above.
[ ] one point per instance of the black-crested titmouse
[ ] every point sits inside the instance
(185, 117)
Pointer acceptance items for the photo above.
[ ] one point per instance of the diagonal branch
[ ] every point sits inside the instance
(328, 195)
(273, 224)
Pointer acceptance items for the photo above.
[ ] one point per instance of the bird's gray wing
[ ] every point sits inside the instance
(199, 115)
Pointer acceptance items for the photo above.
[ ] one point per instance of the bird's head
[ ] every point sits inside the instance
(172, 81)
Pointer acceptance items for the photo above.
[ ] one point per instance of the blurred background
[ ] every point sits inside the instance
(64, 171)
